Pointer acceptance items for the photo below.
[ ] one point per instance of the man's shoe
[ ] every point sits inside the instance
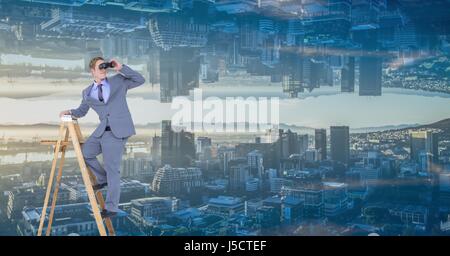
(107, 214)
(99, 186)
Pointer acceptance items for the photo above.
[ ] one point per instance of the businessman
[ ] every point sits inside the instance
(107, 97)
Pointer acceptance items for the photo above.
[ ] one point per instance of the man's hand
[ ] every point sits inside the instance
(117, 65)
(65, 112)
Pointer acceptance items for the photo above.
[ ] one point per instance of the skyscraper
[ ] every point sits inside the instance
(238, 176)
(423, 141)
(166, 142)
(155, 150)
(340, 144)
(432, 145)
(179, 72)
(370, 64)
(225, 155)
(303, 143)
(370, 76)
(255, 162)
(320, 140)
(348, 75)
(288, 143)
(177, 148)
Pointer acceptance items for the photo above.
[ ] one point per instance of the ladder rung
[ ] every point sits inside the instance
(53, 142)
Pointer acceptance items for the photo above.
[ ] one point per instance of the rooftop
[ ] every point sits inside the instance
(225, 200)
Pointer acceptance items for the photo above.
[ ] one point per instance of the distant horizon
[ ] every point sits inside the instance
(150, 124)
(320, 109)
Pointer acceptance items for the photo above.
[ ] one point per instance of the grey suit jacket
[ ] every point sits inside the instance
(115, 112)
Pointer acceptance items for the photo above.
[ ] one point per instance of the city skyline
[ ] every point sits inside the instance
(361, 144)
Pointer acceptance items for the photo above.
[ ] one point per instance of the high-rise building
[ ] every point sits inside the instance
(292, 70)
(370, 64)
(340, 144)
(238, 177)
(329, 19)
(370, 76)
(201, 143)
(348, 75)
(432, 144)
(179, 72)
(288, 144)
(155, 150)
(225, 155)
(255, 163)
(295, 32)
(303, 143)
(166, 142)
(320, 139)
(177, 148)
(424, 141)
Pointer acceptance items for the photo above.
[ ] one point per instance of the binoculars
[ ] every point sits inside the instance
(106, 65)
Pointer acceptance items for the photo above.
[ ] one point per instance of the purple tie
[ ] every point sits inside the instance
(100, 92)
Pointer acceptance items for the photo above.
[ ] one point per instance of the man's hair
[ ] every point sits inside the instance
(93, 61)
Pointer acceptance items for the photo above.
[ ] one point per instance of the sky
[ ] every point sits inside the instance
(321, 108)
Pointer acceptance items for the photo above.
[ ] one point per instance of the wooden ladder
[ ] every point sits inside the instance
(69, 128)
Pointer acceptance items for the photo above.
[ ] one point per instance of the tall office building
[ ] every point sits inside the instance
(431, 146)
(348, 75)
(340, 144)
(370, 64)
(179, 72)
(166, 142)
(225, 154)
(292, 72)
(177, 148)
(255, 162)
(287, 143)
(155, 150)
(238, 177)
(201, 143)
(320, 140)
(302, 143)
(424, 142)
(370, 76)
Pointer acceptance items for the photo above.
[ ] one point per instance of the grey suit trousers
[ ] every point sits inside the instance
(112, 149)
